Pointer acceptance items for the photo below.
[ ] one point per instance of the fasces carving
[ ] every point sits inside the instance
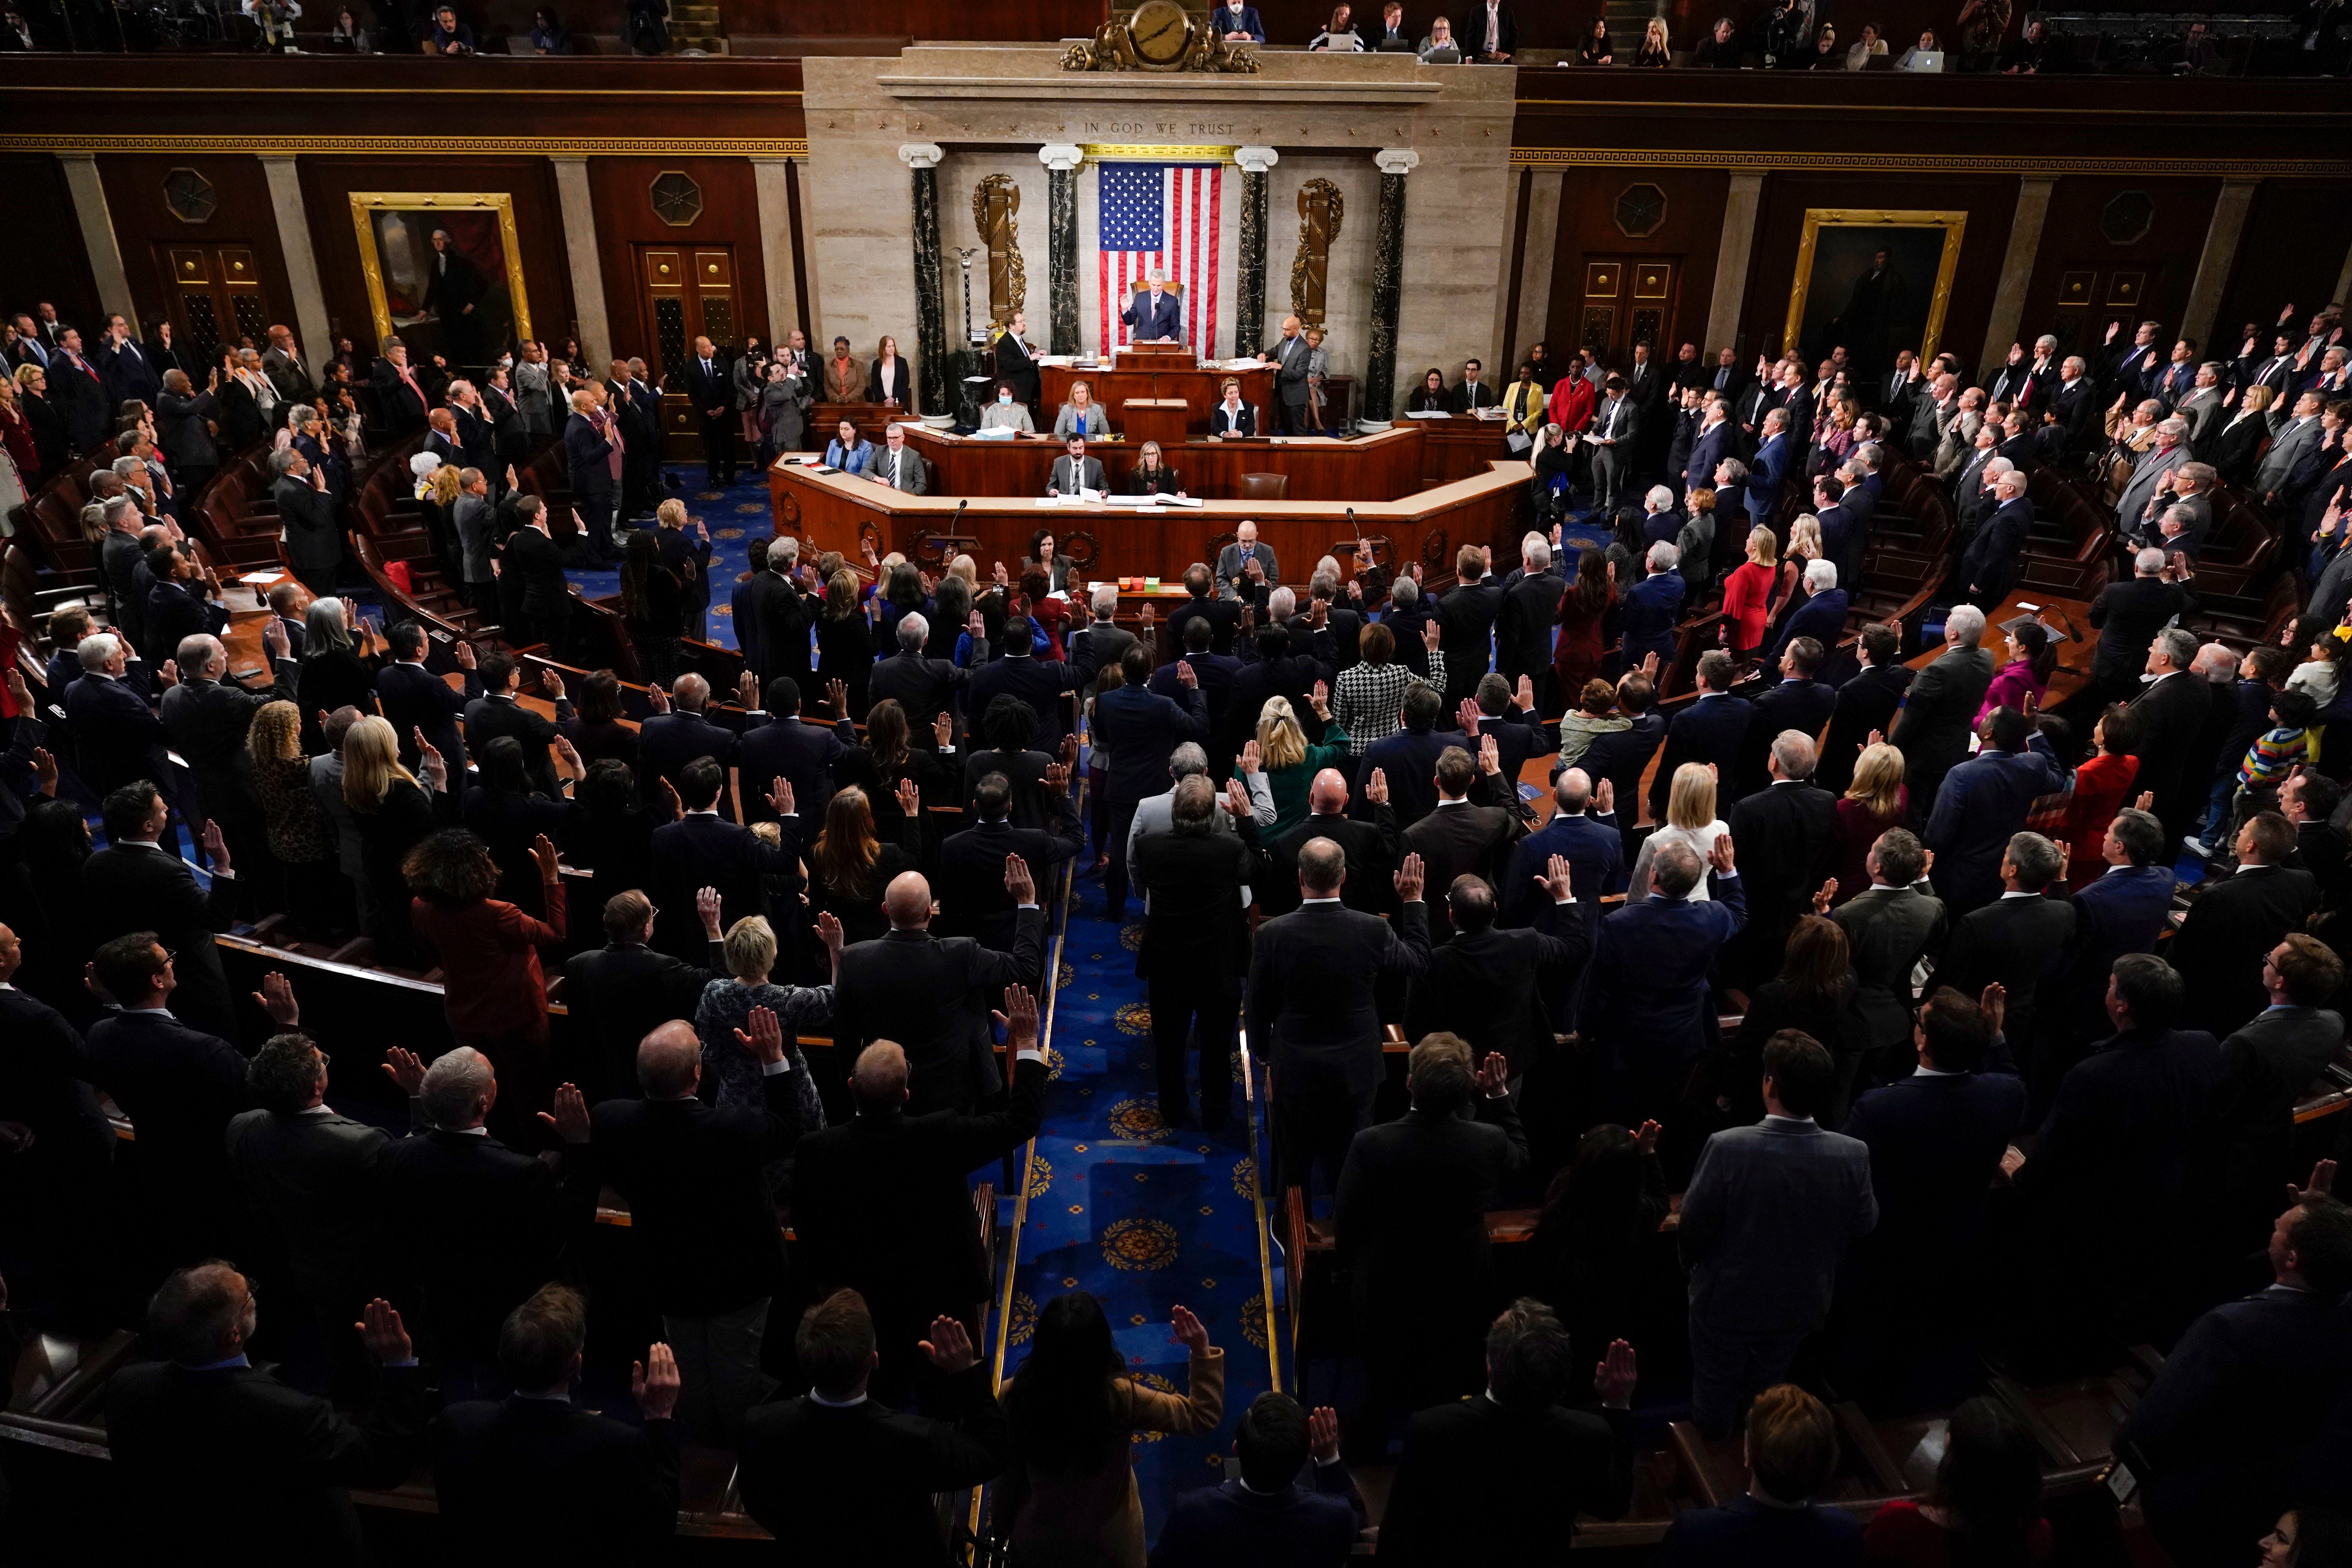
(995, 207)
(1320, 209)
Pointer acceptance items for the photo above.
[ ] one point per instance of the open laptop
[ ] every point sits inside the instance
(1928, 60)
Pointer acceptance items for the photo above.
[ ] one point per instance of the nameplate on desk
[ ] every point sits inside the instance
(261, 579)
(1429, 414)
(995, 433)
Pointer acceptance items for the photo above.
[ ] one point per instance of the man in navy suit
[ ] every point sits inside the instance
(1841, 536)
(413, 697)
(1990, 564)
(785, 748)
(1651, 609)
(1212, 672)
(1237, 22)
(1769, 468)
(1646, 1006)
(130, 375)
(1936, 1139)
(118, 737)
(1038, 683)
(1268, 1516)
(1153, 316)
(1140, 729)
(702, 849)
(1792, 1454)
(1983, 802)
(1584, 832)
(708, 385)
(2122, 911)
(1820, 619)
(1798, 702)
(1710, 447)
(674, 737)
(2249, 1386)
(1712, 729)
(1409, 759)
(1769, 1216)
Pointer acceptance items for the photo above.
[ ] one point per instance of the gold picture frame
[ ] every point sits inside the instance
(1953, 226)
(367, 205)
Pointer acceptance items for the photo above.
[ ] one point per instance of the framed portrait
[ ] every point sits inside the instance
(444, 271)
(1876, 281)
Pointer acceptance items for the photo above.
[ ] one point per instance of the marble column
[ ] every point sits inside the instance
(769, 177)
(1731, 256)
(96, 221)
(1062, 160)
(587, 263)
(315, 338)
(1535, 268)
(2220, 252)
(2344, 279)
(931, 304)
(2016, 271)
(1387, 279)
(1249, 303)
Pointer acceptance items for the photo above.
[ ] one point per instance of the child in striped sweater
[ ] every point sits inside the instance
(2275, 753)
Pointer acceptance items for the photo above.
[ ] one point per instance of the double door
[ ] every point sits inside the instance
(215, 296)
(686, 292)
(1627, 299)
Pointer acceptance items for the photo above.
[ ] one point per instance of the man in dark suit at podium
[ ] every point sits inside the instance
(1154, 315)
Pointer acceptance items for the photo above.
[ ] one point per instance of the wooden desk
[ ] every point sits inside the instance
(2073, 671)
(1410, 456)
(833, 511)
(1136, 377)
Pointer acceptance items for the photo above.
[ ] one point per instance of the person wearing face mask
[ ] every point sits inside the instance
(1007, 412)
(1238, 23)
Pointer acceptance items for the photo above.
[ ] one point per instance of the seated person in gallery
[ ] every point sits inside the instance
(1431, 397)
(1007, 412)
(1441, 47)
(849, 451)
(1153, 314)
(1150, 476)
(1237, 23)
(1232, 417)
(1081, 415)
(1077, 471)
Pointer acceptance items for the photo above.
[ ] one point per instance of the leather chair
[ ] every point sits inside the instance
(1265, 487)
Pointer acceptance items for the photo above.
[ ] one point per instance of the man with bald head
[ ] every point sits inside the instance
(698, 1209)
(677, 732)
(925, 991)
(1373, 849)
(882, 1203)
(1312, 1009)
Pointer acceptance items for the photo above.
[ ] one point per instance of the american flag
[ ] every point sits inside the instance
(1160, 218)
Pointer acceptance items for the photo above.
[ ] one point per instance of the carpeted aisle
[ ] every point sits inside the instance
(1143, 1218)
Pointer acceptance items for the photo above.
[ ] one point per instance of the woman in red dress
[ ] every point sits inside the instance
(1748, 594)
(2101, 786)
(1584, 609)
(1984, 1507)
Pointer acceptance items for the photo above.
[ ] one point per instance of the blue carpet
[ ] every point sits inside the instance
(738, 517)
(1145, 1218)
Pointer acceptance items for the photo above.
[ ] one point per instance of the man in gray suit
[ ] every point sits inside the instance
(1156, 813)
(2292, 439)
(1290, 355)
(2202, 407)
(1233, 566)
(309, 1178)
(1940, 711)
(899, 466)
(2170, 450)
(1076, 472)
(1769, 1212)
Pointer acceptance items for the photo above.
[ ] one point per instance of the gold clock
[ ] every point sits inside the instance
(1160, 32)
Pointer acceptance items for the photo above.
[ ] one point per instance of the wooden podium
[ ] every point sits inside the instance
(1157, 373)
(1159, 419)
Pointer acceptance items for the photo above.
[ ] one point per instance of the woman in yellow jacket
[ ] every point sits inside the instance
(1523, 409)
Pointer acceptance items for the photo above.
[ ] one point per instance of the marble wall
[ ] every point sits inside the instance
(959, 172)
(991, 109)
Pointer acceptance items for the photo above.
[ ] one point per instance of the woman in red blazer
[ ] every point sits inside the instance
(491, 983)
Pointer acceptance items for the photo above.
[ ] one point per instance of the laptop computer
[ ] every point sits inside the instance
(1928, 60)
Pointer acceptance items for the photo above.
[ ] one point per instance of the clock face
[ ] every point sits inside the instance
(1159, 30)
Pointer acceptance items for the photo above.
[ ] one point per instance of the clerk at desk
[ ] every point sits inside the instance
(1076, 472)
(1233, 416)
(1153, 314)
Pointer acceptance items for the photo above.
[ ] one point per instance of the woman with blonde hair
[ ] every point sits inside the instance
(1081, 415)
(730, 1075)
(393, 814)
(1289, 759)
(1748, 594)
(1690, 819)
(298, 833)
(1875, 801)
(51, 447)
(1657, 50)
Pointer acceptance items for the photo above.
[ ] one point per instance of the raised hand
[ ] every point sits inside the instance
(430, 763)
(1490, 756)
(1495, 1075)
(707, 904)
(658, 698)
(466, 659)
(671, 805)
(276, 643)
(1604, 797)
(1250, 756)
(1409, 877)
(950, 1346)
(1468, 715)
(1645, 1138)
(829, 932)
(1718, 855)
(1995, 1003)
(1057, 778)
(169, 675)
(1376, 788)
(1555, 879)
(1613, 1379)
(1237, 801)
(911, 797)
(276, 998)
(1822, 899)
(747, 691)
(1190, 1332)
(765, 1038)
(216, 849)
(1429, 636)
(551, 684)
(654, 1383)
(543, 849)
(1186, 676)
(405, 1069)
(1650, 665)
(836, 696)
(943, 727)
(2147, 801)
(779, 798)
(380, 1331)
(1020, 1020)
(1018, 881)
(45, 770)
(1323, 1434)
(571, 755)
(1526, 694)
(2322, 1184)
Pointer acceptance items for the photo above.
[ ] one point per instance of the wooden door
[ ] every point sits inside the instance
(215, 296)
(1628, 299)
(685, 292)
(2093, 295)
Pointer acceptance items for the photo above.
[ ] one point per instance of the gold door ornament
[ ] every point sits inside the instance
(1321, 210)
(995, 208)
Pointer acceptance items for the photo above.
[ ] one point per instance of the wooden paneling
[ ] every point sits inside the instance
(2154, 269)
(327, 186)
(146, 230)
(1990, 201)
(627, 225)
(1689, 237)
(2290, 253)
(46, 258)
(1043, 20)
(1383, 467)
